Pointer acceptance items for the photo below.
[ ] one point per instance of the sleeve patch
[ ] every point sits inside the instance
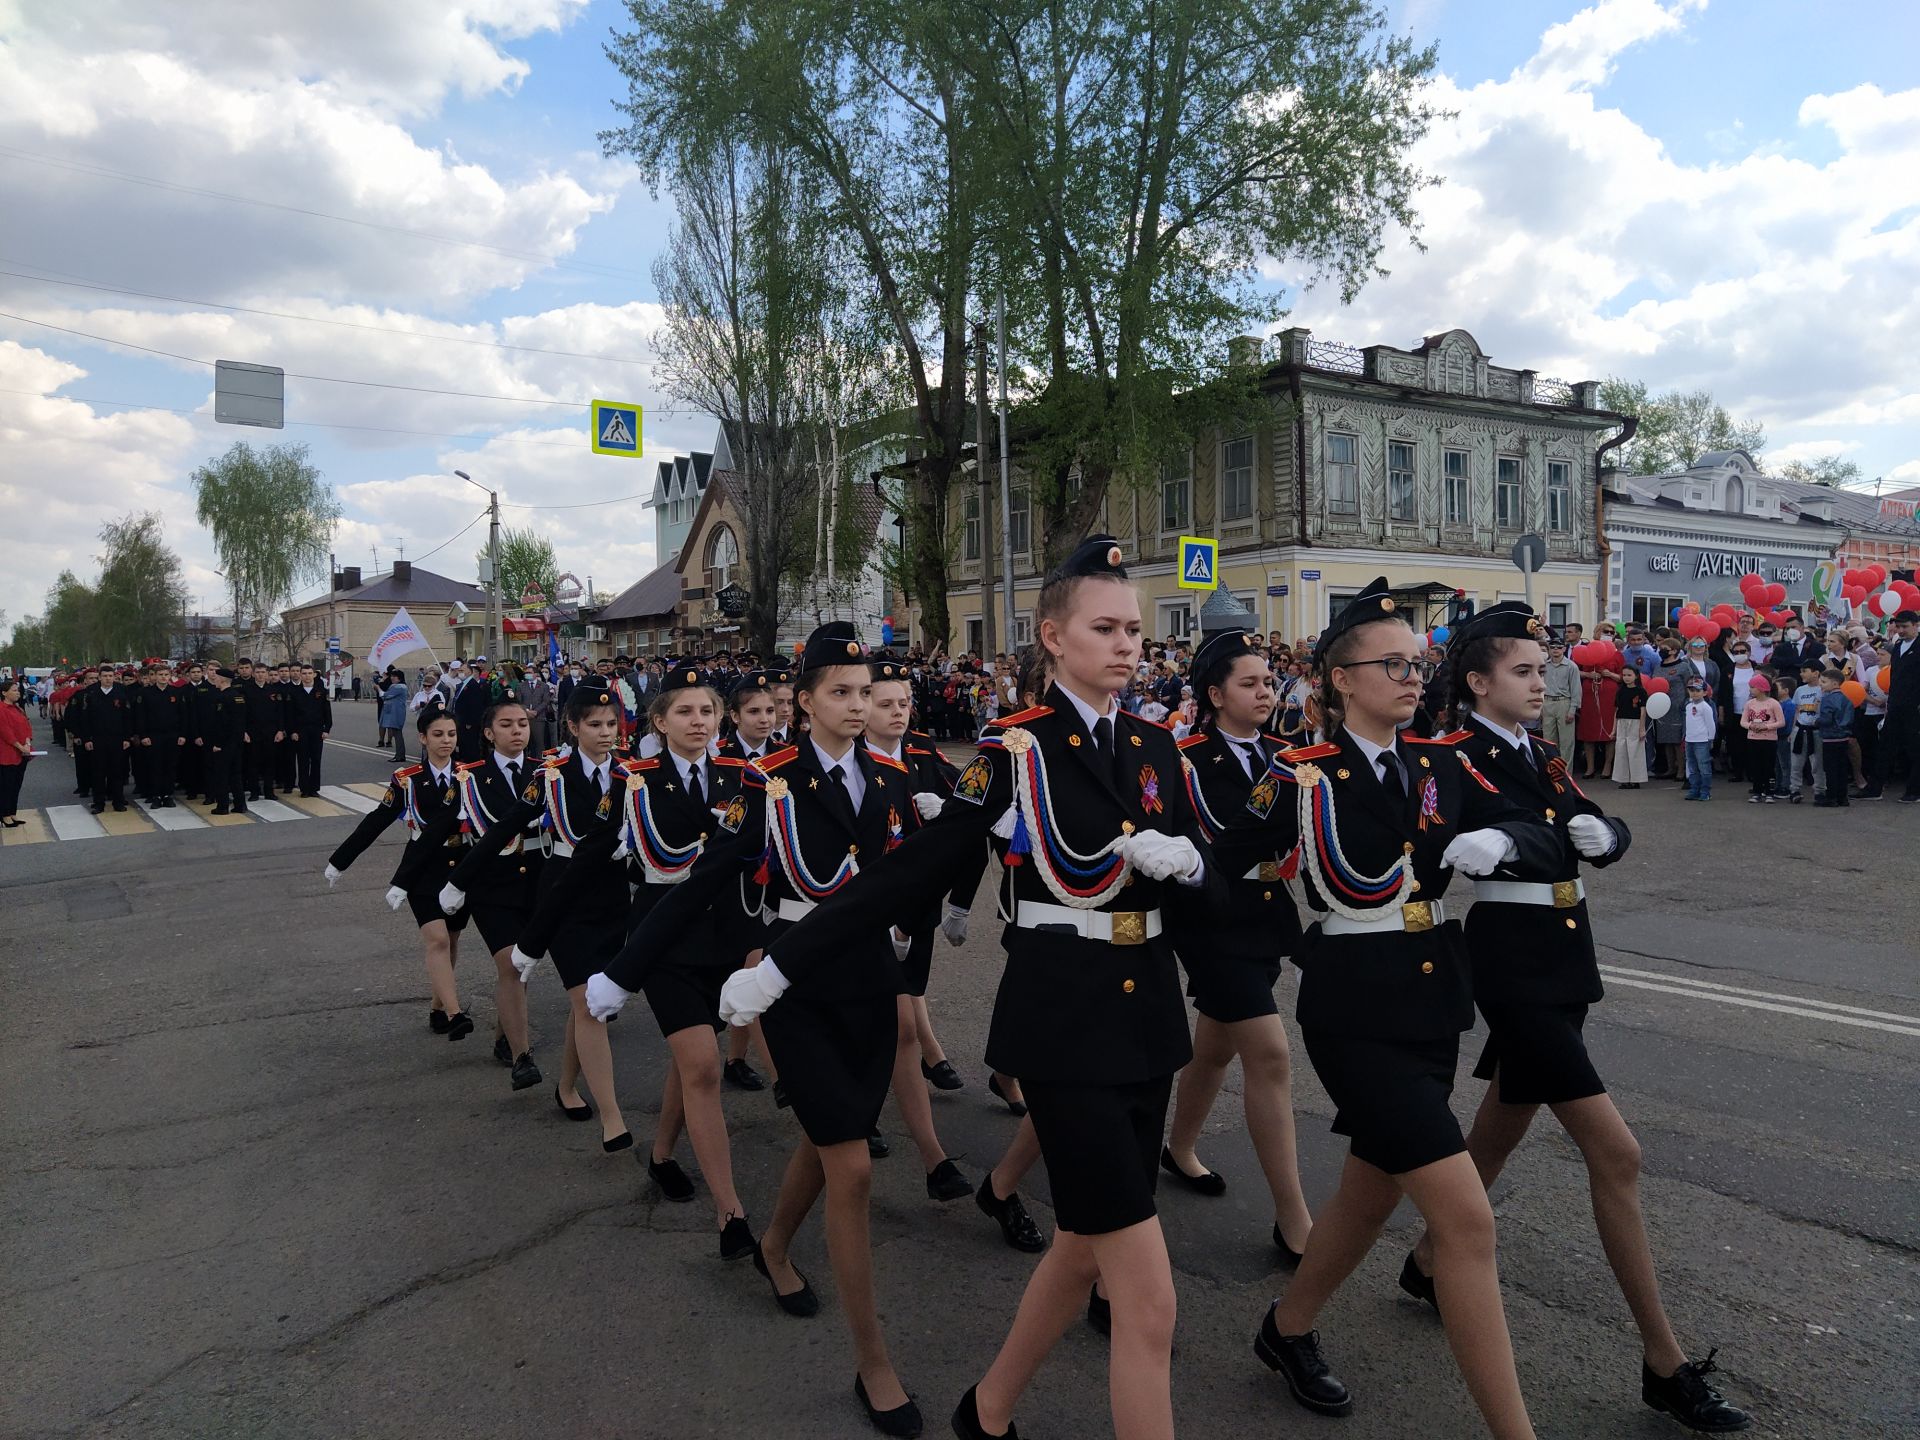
(392, 797)
(974, 781)
(735, 815)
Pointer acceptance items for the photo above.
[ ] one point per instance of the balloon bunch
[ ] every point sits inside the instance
(1765, 600)
(1659, 695)
(1857, 588)
(1598, 655)
(1695, 626)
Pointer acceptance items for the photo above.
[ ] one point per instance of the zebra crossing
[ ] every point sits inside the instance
(65, 824)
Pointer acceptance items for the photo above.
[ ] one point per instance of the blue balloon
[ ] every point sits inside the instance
(1441, 634)
(1674, 614)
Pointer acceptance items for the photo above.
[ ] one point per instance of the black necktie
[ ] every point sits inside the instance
(839, 778)
(513, 776)
(599, 790)
(693, 785)
(1392, 780)
(1256, 757)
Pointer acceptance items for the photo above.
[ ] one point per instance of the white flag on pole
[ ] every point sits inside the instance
(401, 637)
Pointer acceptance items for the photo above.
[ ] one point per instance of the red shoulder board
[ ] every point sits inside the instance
(651, 762)
(1311, 752)
(1454, 739)
(888, 760)
(1198, 737)
(1033, 714)
(773, 762)
(919, 735)
(409, 770)
(1157, 724)
(550, 753)
(471, 765)
(729, 759)
(919, 750)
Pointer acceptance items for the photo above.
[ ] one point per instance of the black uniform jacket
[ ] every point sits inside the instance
(790, 788)
(309, 712)
(1398, 984)
(1069, 1009)
(1258, 920)
(412, 788)
(599, 895)
(1531, 954)
(197, 701)
(106, 716)
(933, 772)
(267, 711)
(510, 873)
(229, 717)
(163, 713)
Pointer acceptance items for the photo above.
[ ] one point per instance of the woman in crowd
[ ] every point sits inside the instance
(1670, 730)
(1593, 727)
(392, 714)
(16, 744)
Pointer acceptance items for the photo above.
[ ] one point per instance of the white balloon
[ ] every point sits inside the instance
(1887, 602)
(1659, 703)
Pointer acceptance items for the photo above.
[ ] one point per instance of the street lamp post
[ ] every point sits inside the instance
(495, 612)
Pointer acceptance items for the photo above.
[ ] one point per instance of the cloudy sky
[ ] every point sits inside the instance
(1724, 196)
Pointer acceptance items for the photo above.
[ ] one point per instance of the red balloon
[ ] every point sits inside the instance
(1777, 618)
(1656, 685)
(1854, 594)
(1752, 577)
(1879, 574)
(1776, 595)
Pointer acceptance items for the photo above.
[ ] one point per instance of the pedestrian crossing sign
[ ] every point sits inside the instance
(616, 429)
(1199, 563)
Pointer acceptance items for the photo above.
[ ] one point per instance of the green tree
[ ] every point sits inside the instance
(1677, 427)
(69, 619)
(141, 597)
(271, 516)
(1828, 470)
(526, 558)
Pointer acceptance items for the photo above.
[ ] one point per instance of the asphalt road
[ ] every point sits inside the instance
(247, 1194)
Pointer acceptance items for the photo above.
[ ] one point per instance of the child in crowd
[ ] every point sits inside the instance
(1762, 720)
(1835, 721)
(1700, 731)
(1806, 766)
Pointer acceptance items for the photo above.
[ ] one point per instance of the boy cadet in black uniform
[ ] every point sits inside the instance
(197, 705)
(106, 733)
(226, 747)
(256, 760)
(162, 733)
(309, 722)
(285, 749)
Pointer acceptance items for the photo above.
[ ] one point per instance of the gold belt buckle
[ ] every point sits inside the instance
(1269, 871)
(1129, 927)
(1566, 894)
(1417, 915)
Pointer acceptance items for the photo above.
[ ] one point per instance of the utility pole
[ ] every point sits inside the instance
(1006, 503)
(495, 612)
(987, 600)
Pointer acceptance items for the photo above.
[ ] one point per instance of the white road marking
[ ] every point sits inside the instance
(274, 810)
(172, 817)
(1745, 1003)
(385, 751)
(74, 822)
(340, 795)
(1687, 980)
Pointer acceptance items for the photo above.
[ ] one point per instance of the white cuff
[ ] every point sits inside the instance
(776, 983)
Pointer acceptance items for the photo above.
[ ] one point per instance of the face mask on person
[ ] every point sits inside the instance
(1793, 635)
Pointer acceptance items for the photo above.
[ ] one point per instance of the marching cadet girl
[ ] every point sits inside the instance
(1089, 1013)
(889, 711)
(1375, 822)
(1534, 975)
(571, 797)
(1233, 953)
(488, 791)
(750, 708)
(422, 793)
(812, 815)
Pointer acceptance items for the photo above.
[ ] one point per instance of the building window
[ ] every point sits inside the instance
(1656, 610)
(1020, 521)
(723, 553)
(1400, 494)
(1560, 496)
(1459, 488)
(1343, 474)
(1506, 493)
(1236, 479)
(1176, 495)
(970, 543)
(1176, 619)
(976, 633)
(1558, 613)
(1023, 629)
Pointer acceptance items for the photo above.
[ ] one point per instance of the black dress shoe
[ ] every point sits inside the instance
(1099, 1312)
(1688, 1398)
(742, 1076)
(902, 1420)
(1298, 1358)
(100, 809)
(1418, 1285)
(1016, 1107)
(1290, 1258)
(945, 1182)
(1016, 1225)
(437, 1021)
(802, 1303)
(942, 1076)
(220, 810)
(877, 1146)
(502, 1051)
(526, 1074)
(780, 1100)
(671, 1179)
(622, 1141)
(582, 1111)
(966, 1421)
(736, 1240)
(459, 1025)
(1207, 1184)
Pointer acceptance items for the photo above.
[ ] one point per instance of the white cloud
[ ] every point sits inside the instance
(1807, 451)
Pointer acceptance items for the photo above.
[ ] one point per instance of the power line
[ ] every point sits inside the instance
(453, 537)
(88, 167)
(77, 283)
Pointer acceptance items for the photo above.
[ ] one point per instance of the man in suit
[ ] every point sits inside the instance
(1900, 738)
(470, 704)
(309, 722)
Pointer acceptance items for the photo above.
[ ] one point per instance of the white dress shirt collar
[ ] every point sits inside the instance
(849, 766)
(503, 761)
(684, 766)
(1088, 715)
(1373, 752)
(1519, 739)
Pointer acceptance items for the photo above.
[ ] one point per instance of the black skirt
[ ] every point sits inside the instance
(424, 898)
(1102, 1148)
(502, 906)
(835, 1054)
(917, 968)
(594, 929)
(1228, 988)
(1539, 1053)
(1391, 1097)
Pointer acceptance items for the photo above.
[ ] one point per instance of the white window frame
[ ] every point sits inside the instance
(1560, 496)
(1411, 473)
(1461, 514)
(1559, 612)
(1173, 619)
(1638, 613)
(1330, 468)
(1183, 480)
(1516, 520)
(975, 628)
(1228, 514)
(1023, 628)
(719, 576)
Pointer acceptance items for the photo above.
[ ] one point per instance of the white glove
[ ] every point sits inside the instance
(1479, 852)
(1158, 856)
(332, 876)
(1592, 836)
(396, 897)
(452, 897)
(523, 963)
(901, 944)
(928, 804)
(604, 998)
(954, 927)
(747, 993)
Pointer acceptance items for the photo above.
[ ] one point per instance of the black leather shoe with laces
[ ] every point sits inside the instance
(1688, 1398)
(742, 1076)
(672, 1180)
(1298, 1358)
(437, 1021)
(945, 1182)
(1016, 1225)
(502, 1051)
(526, 1074)
(459, 1025)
